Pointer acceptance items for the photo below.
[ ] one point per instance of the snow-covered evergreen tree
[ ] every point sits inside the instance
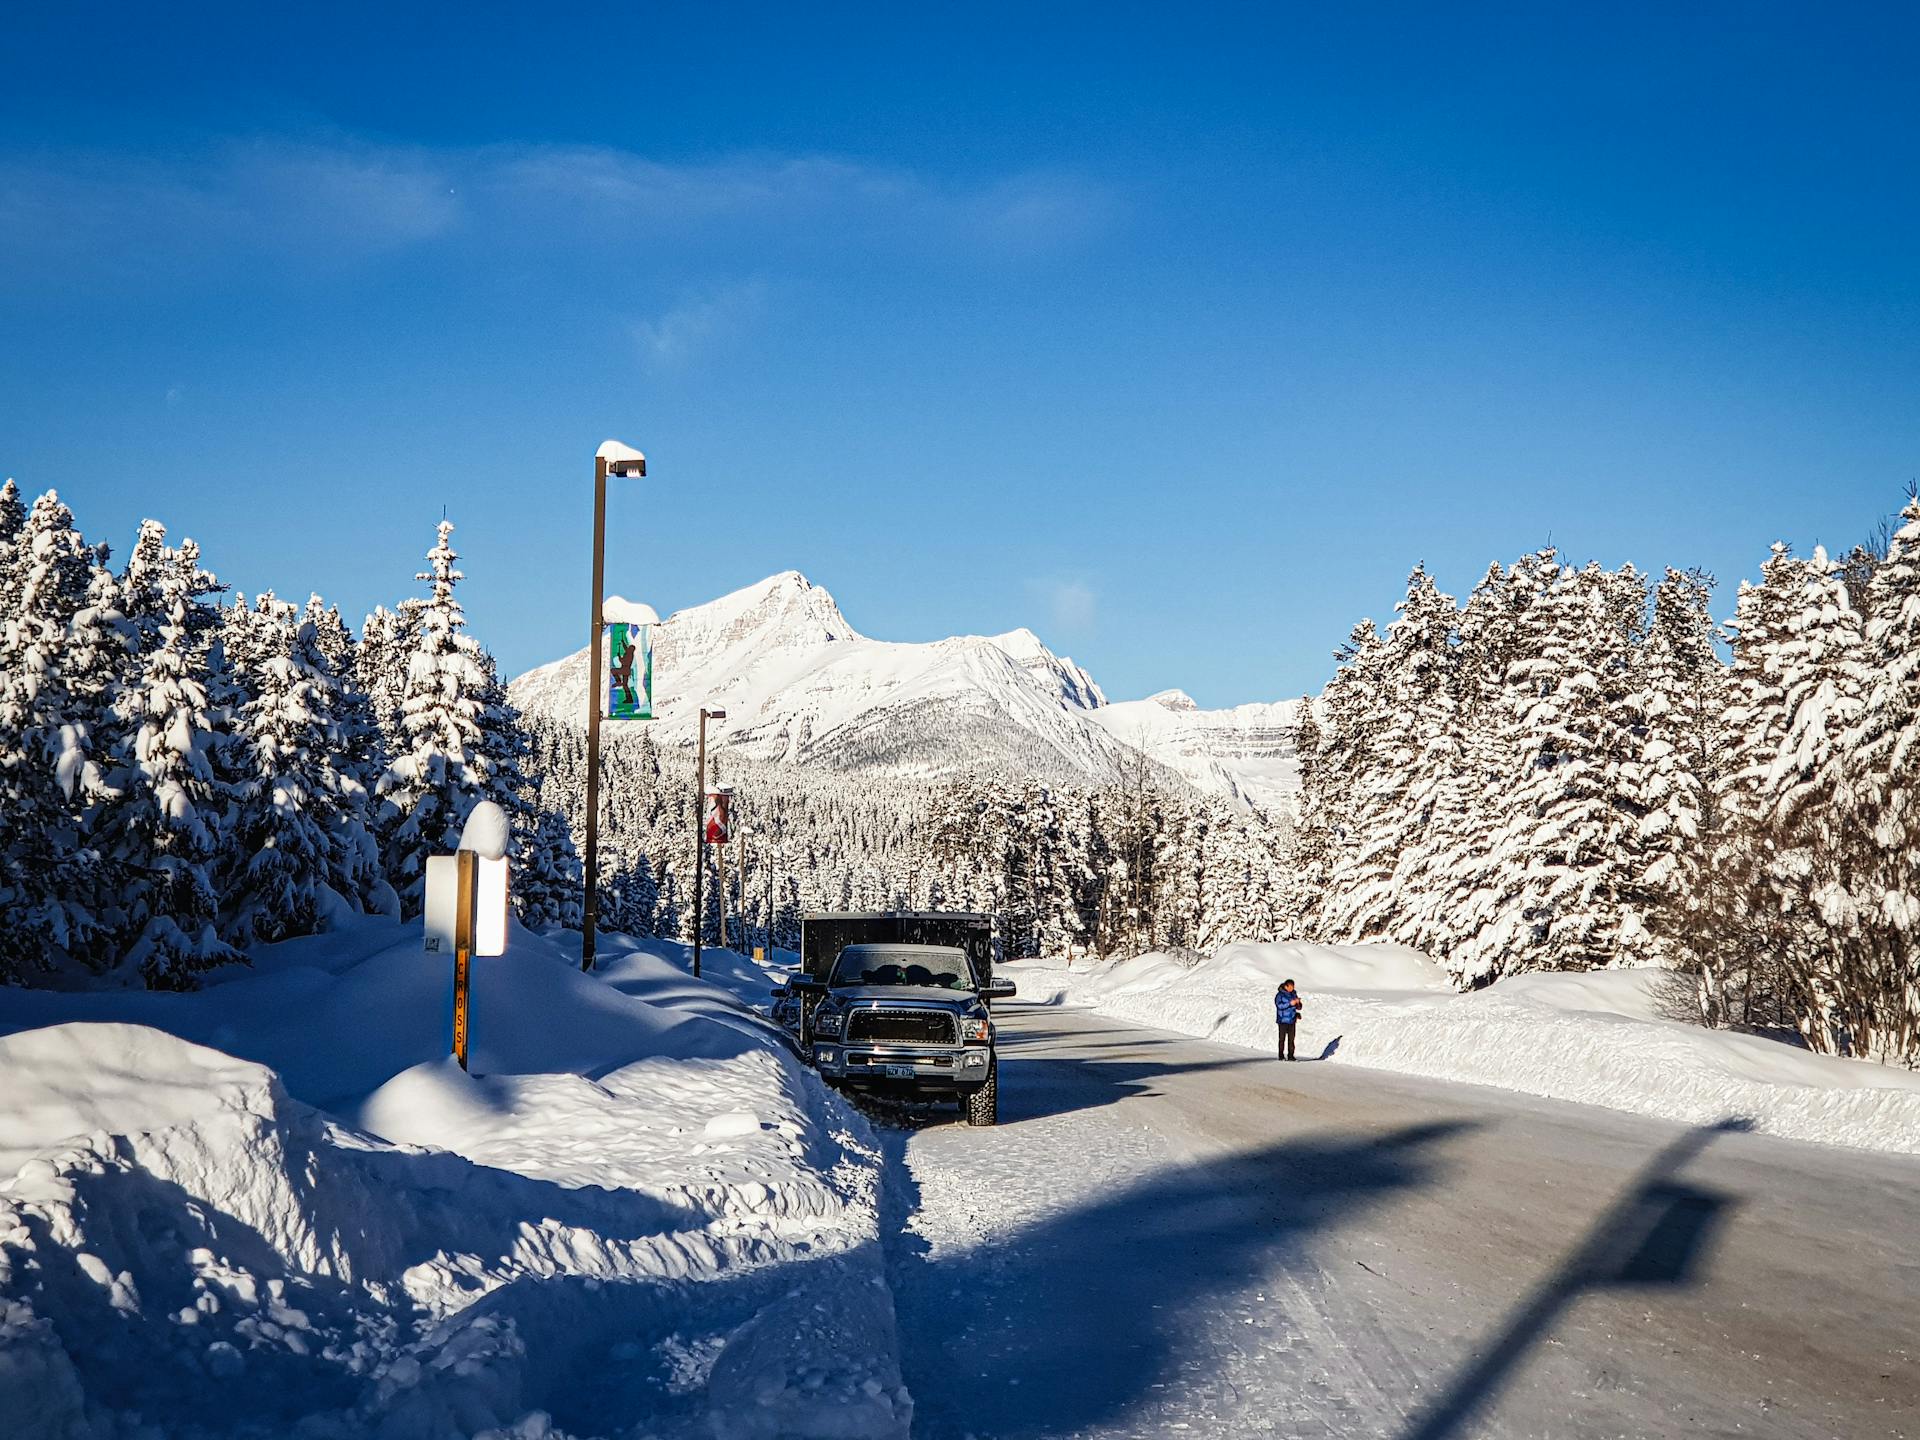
(1576, 801)
(13, 515)
(1352, 713)
(166, 827)
(388, 642)
(548, 880)
(1415, 756)
(1875, 770)
(60, 644)
(361, 757)
(1309, 850)
(302, 848)
(1685, 696)
(460, 742)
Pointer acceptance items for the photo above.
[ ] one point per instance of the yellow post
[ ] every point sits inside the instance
(469, 869)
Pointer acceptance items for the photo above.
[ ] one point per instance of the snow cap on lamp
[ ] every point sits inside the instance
(618, 610)
(621, 459)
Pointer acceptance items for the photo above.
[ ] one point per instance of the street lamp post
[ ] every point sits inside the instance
(769, 860)
(700, 834)
(612, 458)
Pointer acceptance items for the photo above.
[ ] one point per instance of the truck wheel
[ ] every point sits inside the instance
(981, 1106)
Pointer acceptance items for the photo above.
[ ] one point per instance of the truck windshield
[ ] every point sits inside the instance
(875, 965)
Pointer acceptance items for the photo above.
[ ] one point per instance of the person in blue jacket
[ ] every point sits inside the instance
(1287, 1006)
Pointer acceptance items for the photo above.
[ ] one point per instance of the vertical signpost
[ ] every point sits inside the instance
(700, 832)
(717, 830)
(466, 909)
(468, 864)
(740, 870)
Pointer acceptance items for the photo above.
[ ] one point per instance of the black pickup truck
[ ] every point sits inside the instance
(897, 1003)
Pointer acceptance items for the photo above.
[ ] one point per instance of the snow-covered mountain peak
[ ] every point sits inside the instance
(801, 685)
(1246, 752)
(1021, 644)
(785, 610)
(1030, 652)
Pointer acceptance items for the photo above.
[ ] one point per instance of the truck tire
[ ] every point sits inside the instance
(981, 1105)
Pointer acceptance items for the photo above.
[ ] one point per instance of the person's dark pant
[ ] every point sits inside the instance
(1286, 1039)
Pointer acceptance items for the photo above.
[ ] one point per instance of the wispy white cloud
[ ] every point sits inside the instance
(696, 323)
(302, 201)
(860, 204)
(343, 201)
(1071, 605)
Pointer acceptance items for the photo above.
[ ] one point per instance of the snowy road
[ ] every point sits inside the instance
(1171, 1237)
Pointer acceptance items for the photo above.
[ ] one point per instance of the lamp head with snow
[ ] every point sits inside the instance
(621, 459)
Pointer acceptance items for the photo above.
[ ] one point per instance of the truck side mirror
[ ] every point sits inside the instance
(781, 992)
(806, 982)
(1001, 990)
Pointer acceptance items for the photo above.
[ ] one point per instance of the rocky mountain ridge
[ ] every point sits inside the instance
(801, 685)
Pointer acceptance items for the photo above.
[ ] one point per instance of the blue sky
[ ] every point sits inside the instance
(1177, 333)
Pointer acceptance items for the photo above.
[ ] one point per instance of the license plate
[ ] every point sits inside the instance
(897, 1072)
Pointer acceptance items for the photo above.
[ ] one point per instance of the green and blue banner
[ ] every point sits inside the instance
(629, 672)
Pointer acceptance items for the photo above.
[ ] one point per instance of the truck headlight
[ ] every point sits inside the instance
(977, 1032)
(828, 1024)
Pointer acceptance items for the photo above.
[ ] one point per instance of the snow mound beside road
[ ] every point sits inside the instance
(1597, 1038)
(656, 1219)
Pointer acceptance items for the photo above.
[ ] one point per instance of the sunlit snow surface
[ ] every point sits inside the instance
(603, 1230)
(1600, 1038)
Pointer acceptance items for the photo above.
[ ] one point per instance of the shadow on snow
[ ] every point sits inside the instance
(1072, 1324)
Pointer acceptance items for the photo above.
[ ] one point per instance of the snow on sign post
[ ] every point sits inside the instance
(466, 907)
(629, 671)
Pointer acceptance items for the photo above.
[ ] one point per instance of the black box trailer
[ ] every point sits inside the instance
(823, 937)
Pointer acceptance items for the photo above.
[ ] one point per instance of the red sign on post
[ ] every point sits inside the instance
(719, 822)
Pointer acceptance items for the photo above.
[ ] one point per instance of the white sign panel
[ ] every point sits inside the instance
(443, 903)
(441, 912)
(490, 908)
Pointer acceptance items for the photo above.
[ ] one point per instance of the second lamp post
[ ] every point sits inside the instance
(700, 833)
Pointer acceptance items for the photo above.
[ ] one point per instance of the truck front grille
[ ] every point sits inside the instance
(903, 1027)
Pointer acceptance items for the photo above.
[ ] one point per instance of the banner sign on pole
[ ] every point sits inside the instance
(629, 672)
(719, 827)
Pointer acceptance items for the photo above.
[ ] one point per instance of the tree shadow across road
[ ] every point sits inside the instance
(1657, 1233)
(1078, 1322)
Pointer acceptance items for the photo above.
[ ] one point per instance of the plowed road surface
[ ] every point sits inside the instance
(1170, 1237)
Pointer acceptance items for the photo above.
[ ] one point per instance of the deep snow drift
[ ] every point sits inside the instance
(1596, 1037)
(604, 1230)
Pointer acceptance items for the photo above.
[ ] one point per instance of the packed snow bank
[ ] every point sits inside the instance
(639, 1214)
(1596, 1038)
(74, 1080)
